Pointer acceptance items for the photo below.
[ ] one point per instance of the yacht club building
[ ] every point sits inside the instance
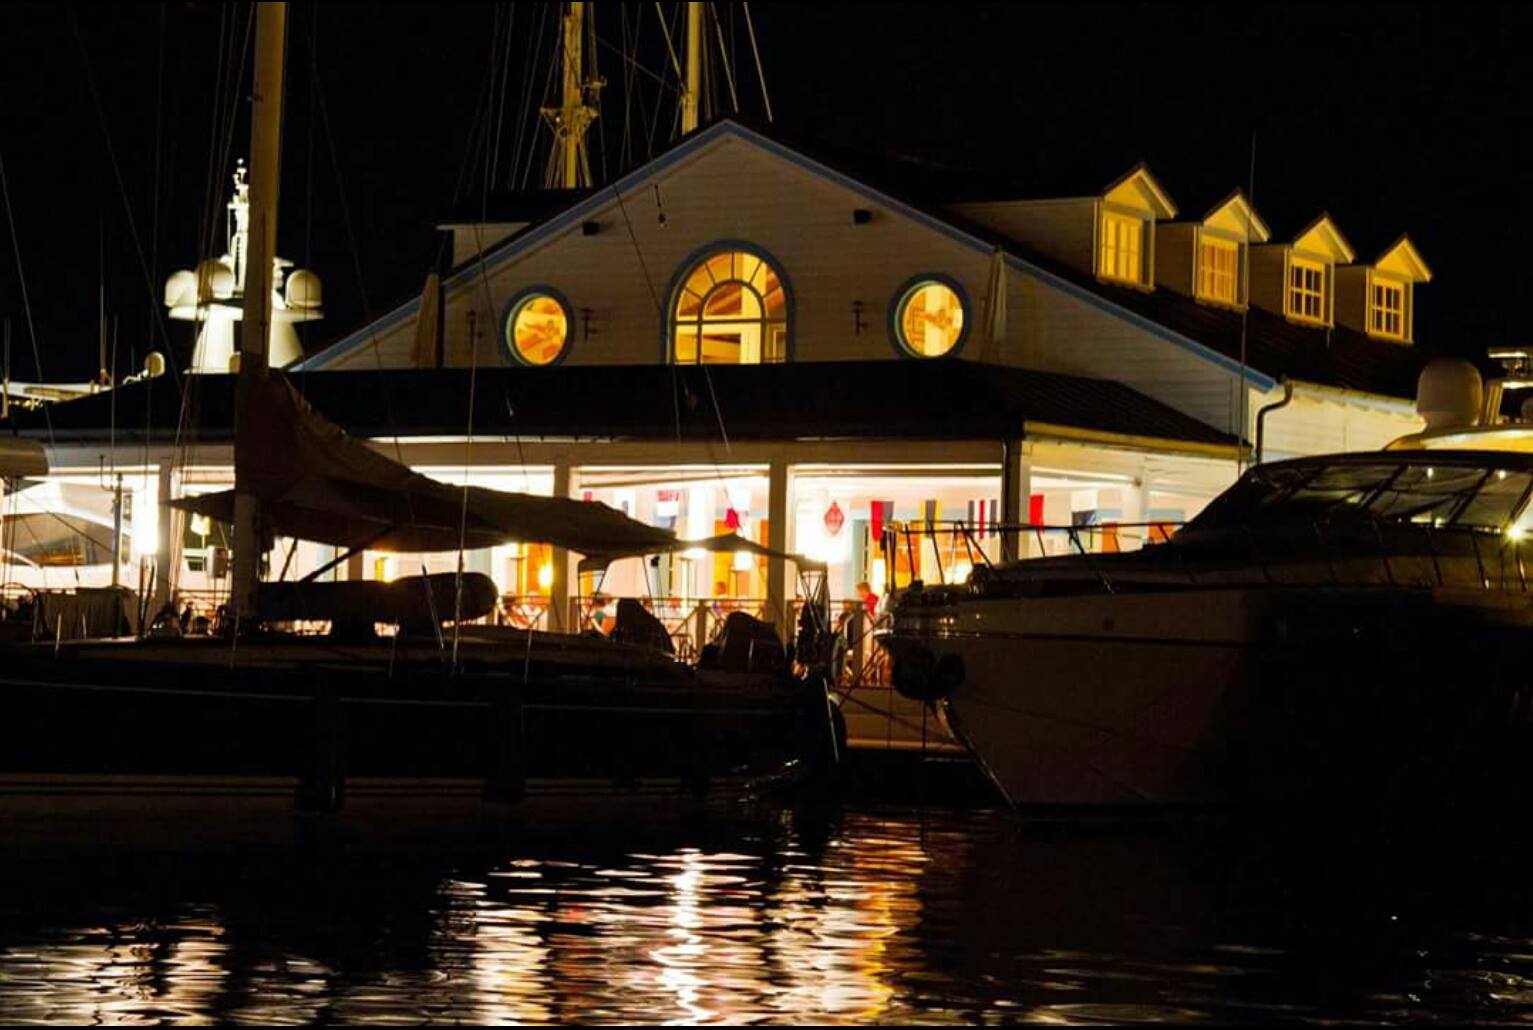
(742, 336)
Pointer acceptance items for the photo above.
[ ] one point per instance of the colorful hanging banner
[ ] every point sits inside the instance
(879, 514)
(982, 517)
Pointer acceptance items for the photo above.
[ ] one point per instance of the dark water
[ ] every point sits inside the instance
(875, 916)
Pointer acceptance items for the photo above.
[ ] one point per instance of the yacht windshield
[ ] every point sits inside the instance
(1462, 496)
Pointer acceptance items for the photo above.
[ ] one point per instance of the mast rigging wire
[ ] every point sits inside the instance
(122, 188)
(750, 29)
(26, 300)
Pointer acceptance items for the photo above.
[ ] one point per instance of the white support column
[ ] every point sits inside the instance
(560, 591)
(779, 589)
(1136, 509)
(1016, 492)
(167, 553)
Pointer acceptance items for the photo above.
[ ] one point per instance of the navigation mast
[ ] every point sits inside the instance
(255, 326)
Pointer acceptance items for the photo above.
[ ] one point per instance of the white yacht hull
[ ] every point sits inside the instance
(1205, 696)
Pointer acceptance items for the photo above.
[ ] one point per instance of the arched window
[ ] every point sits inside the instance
(730, 308)
(930, 317)
(536, 328)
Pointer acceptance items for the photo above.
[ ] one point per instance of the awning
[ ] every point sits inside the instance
(315, 482)
(728, 543)
(21, 457)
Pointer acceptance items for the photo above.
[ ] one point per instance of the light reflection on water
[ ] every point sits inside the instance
(885, 917)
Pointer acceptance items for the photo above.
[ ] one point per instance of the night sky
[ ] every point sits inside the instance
(1392, 118)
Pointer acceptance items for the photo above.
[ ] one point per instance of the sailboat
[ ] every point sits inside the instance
(442, 707)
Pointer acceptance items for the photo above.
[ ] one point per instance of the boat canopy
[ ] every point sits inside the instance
(316, 482)
(727, 543)
(21, 457)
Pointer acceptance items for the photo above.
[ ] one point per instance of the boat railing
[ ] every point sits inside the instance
(954, 548)
(1353, 550)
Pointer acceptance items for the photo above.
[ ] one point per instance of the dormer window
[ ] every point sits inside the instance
(1122, 245)
(1380, 298)
(1219, 270)
(1307, 290)
(1386, 309)
(1126, 214)
(1209, 259)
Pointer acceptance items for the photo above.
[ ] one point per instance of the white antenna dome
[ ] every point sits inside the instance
(1449, 394)
(181, 289)
(215, 279)
(303, 290)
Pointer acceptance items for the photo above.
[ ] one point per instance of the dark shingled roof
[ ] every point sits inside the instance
(946, 399)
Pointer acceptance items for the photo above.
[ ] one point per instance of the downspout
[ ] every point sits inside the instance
(1262, 413)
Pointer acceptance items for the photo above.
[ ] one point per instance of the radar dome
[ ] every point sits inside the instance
(181, 289)
(303, 290)
(215, 279)
(1449, 394)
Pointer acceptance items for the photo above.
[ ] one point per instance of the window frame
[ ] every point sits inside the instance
(1376, 323)
(513, 307)
(1141, 235)
(1213, 241)
(669, 322)
(1291, 292)
(897, 315)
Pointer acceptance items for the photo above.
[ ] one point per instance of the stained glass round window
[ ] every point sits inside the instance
(537, 328)
(929, 318)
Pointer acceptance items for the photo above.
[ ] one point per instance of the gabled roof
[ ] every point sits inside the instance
(944, 222)
(1402, 258)
(1274, 348)
(1236, 206)
(1139, 180)
(1323, 234)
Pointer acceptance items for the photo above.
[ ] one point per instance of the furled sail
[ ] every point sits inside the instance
(316, 482)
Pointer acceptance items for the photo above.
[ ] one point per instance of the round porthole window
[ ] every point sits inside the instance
(537, 328)
(930, 319)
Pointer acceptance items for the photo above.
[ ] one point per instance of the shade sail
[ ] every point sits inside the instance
(315, 482)
(727, 543)
(21, 457)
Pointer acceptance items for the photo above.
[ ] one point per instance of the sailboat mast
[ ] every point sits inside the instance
(569, 165)
(255, 329)
(574, 92)
(692, 93)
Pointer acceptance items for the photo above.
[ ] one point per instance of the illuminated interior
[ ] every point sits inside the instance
(731, 309)
(538, 329)
(1306, 290)
(930, 319)
(1218, 270)
(1121, 237)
